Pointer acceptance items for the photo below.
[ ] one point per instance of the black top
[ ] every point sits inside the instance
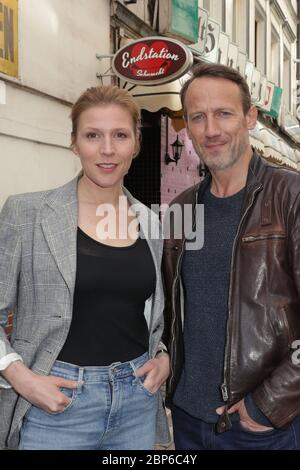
(112, 284)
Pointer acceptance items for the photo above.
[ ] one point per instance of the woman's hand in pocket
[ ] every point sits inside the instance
(156, 372)
(40, 390)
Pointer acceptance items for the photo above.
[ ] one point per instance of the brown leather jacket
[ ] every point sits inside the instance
(264, 296)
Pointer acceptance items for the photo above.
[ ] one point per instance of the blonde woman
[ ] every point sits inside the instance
(85, 363)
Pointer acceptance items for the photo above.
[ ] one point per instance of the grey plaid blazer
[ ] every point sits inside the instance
(38, 233)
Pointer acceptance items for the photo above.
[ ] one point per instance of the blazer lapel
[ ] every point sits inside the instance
(59, 225)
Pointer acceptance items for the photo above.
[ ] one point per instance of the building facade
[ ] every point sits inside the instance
(258, 37)
(47, 58)
(50, 51)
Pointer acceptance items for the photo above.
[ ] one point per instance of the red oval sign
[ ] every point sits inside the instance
(152, 61)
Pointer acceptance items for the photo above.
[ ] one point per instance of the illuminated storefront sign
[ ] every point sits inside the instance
(152, 61)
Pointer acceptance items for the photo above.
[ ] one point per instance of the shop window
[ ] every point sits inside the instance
(260, 40)
(275, 57)
(206, 5)
(217, 10)
(287, 79)
(240, 28)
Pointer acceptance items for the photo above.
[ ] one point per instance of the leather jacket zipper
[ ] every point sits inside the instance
(171, 380)
(173, 316)
(225, 390)
(253, 238)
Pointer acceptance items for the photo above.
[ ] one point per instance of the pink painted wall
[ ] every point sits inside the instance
(176, 178)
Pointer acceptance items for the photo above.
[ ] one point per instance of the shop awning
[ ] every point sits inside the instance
(297, 159)
(293, 158)
(288, 154)
(255, 138)
(272, 147)
(276, 149)
(153, 98)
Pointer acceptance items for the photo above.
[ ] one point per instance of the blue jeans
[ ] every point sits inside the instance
(109, 410)
(193, 433)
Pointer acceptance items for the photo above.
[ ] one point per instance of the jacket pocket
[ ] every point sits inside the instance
(281, 329)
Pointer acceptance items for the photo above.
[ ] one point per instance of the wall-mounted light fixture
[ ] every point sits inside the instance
(177, 147)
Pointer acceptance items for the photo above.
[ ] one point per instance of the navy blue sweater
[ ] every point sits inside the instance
(205, 276)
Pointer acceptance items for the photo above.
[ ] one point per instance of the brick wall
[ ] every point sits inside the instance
(176, 178)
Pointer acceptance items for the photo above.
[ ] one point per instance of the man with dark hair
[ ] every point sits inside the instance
(232, 307)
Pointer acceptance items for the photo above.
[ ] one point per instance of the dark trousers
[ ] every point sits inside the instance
(193, 433)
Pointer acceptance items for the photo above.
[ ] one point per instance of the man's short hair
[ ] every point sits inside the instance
(218, 71)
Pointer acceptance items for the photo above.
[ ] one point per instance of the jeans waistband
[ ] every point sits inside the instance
(117, 370)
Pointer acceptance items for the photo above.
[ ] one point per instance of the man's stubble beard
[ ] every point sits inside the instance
(235, 154)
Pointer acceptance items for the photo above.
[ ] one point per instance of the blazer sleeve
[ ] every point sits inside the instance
(10, 261)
